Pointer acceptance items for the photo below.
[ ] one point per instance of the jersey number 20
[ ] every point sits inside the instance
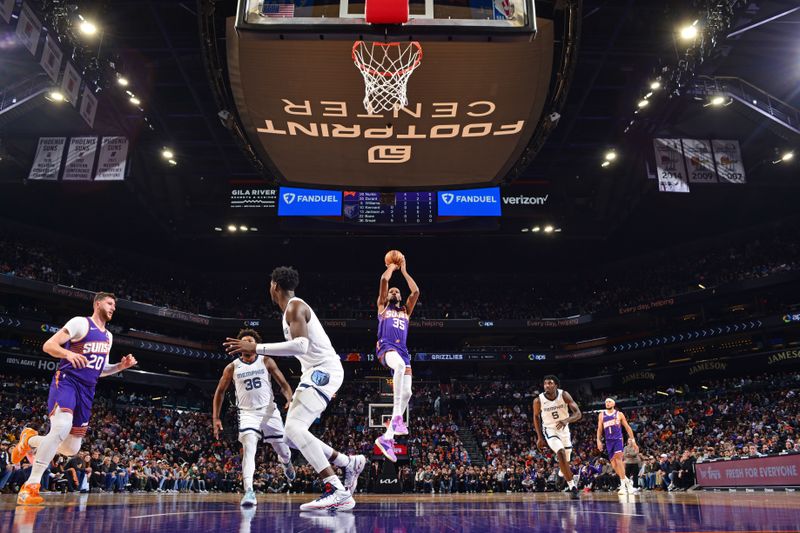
(96, 362)
(250, 384)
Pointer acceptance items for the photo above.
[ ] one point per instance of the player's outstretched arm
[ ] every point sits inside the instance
(276, 373)
(383, 291)
(219, 395)
(413, 295)
(125, 363)
(297, 316)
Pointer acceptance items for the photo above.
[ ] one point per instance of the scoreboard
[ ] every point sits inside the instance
(388, 207)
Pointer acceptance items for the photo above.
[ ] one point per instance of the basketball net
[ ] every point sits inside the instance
(386, 68)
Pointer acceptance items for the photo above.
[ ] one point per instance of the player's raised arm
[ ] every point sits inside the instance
(219, 395)
(383, 291)
(537, 423)
(624, 423)
(412, 287)
(276, 373)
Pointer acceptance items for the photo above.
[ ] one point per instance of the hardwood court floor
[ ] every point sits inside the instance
(196, 513)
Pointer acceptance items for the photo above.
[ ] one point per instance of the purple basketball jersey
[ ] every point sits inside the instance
(613, 433)
(393, 331)
(95, 347)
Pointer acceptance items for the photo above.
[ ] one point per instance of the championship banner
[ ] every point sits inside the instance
(71, 84)
(699, 161)
(88, 106)
(6, 9)
(113, 156)
(775, 471)
(47, 162)
(80, 159)
(29, 29)
(669, 166)
(728, 157)
(51, 58)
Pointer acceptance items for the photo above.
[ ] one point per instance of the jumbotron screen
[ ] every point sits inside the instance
(389, 207)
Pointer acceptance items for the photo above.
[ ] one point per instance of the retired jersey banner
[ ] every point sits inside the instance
(728, 157)
(52, 56)
(6, 9)
(29, 29)
(47, 163)
(113, 156)
(699, 161)
(71, 84)
(80, 159)
(88, 106)
(670, 166)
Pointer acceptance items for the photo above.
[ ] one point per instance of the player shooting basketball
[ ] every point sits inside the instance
(393, 322)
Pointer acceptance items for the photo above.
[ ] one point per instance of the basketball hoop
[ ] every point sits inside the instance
(386, 68)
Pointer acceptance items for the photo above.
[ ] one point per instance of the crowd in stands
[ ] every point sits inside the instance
(445, 295)
(135, 447)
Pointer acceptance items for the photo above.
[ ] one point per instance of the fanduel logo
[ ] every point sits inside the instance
(472, 199)
(309, 202)
(473, 202)
(288, 197)
(447, 198)
(525, 200)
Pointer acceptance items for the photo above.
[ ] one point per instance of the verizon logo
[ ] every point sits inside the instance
(525, 200)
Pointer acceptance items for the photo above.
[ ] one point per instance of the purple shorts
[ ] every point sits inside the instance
(71, 395)
(391, 348)
(614, 446)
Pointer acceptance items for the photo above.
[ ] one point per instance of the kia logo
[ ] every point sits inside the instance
(288, 197)
(447, 198)
(388, 481)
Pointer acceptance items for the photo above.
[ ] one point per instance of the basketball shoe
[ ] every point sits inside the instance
(331, 500)
(23, 448)
(29, 495)
(386, 446)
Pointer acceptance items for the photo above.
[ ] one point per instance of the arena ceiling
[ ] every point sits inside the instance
(622, 45)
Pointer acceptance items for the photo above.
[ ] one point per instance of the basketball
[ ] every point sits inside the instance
(393, 256)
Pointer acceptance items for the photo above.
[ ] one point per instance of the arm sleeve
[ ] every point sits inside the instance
(78, 328)
(291, 348)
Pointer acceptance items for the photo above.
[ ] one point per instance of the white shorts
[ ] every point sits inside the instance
(265, 422)
(558, 439)
(325, 379)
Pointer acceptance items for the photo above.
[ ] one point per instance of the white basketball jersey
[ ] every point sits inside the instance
(553, 411)
(320, 349)
(253, 385)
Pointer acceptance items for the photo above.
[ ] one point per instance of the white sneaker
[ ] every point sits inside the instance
(352, 471)
(249, 499)
(331, 500)
(623, 488)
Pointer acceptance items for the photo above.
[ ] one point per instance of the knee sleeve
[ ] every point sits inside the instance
(70, 446)
(308, 444)
(61, 424)
(249, 438)
(307, 405)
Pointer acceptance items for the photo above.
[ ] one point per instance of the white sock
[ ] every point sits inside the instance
(47, 446)
(342, 461)
(335, 481)
(571, 484)
(249, 442)
(283, 451)
(405, 393)
(395, 362)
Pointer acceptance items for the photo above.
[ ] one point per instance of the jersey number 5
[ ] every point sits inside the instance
(250, 384)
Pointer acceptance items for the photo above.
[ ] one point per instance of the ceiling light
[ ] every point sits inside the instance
(243, 228)
(701, 286)
(656, 85)
(232, 228)
(87, 28)
(788, 156)
(166, 153)
(643, 103)
(253, 229)
(717, 100)
(217, 228)
(172, 162)
(525, 230)
(648, 95)
(56, 96)
(123, 81)
(135, 101)
(604, 164)
(611, 155)
(689, 33)
(536, 229)
(548, 229)
(557, 230)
